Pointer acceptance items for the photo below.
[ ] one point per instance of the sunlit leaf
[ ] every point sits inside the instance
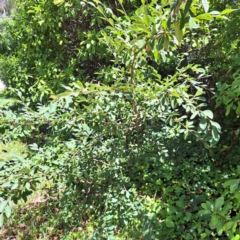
(8, 211)
(205, 5)
(227, 11)
(208, 113)
(58, 2)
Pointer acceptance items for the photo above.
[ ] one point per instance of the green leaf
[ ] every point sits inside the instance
(181, 203)
(169, 223)
(114, 200)
(204, 212)
(28, 186)
(163, 55)
(187, 7)
(178, 32)
(140, 43)
(8, 211)
(100, 9)
(233, 183)
(1, 220)
(192, 23)
(215, 134)
(147, 20)
(214, 220)
(52, 107)
(205, 5)
(234, 186)
(3, 204)
(205, 16)
(203, 123)
(14, 186)
(165, 43)
(222, 17)
(214, 12)
(228, 225)
(206, 145)
(199, 92)
(216, 125)
(156, 55)
(208, 113)
(58, 2)
(110, 20)
(238, 109)
(227, 206)
(207, 206)
(194, 115)
(183, 20)
(227, 11)
(169, 21)
(220, 227)
(218, 204)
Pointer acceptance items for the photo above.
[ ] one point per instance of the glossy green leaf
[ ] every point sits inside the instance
(216, 125)
(203, 123)
(208, 113)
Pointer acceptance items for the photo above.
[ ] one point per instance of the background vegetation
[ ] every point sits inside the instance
(130, 110)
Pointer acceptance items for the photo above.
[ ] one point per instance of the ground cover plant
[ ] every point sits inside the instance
(14, 148)
(131, 112)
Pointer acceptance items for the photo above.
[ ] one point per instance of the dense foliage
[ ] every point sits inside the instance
(131, 111)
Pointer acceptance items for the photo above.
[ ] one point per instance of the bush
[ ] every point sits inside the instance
(133, 153)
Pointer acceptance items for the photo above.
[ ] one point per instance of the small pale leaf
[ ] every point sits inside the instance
(8, 211)
(208, 113)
